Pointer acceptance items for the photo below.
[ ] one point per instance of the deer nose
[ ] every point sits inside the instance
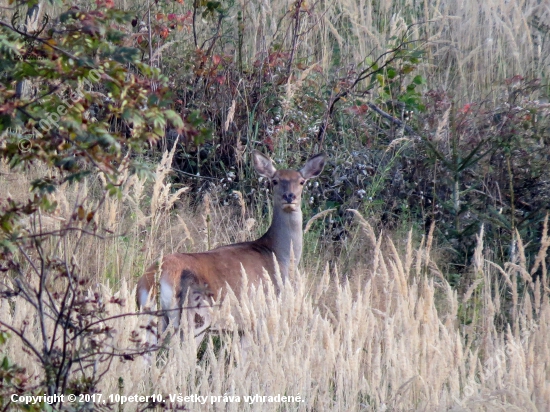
(289, 197)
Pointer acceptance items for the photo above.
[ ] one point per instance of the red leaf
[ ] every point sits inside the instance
(183, 17)
(362, 109)
(164, 32)
(466, 108)
(268, 142)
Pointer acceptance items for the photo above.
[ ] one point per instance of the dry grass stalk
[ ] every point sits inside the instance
(503, 273)
(442, 127)
(419, 257)
(161, 198)
(471, 290)
(409, 254)
(541, 256)
(430, 240)
(521, 251)
(186, 234)
(315, 217)
(242, 204)
(292, 87)
(396, 142)
(230, 115)
(367, 228)
(519, 269)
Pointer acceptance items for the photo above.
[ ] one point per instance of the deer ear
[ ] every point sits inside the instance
(263, 164)
(313, 166)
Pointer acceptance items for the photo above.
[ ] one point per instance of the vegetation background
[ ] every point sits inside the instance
(424, 280)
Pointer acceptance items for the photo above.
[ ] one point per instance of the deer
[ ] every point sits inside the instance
(200, 277)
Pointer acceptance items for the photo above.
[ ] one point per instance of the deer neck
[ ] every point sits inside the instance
(285, 229)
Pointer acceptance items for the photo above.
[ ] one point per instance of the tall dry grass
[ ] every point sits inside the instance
(471, 46)
(394, 337)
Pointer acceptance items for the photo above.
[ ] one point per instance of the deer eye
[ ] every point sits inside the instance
(302, 182)
(274, 182)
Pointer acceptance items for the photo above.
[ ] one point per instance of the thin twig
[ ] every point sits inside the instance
(60, 50)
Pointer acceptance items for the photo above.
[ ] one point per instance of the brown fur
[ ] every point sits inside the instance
(213, 269)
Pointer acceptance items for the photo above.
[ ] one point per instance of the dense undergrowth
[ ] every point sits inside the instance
(428, 112)
(388, 334)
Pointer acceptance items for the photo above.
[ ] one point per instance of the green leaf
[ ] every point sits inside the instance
(5, 363)
(67, 163)
(4, 336)
(419, 80)
(44, 185)
(174, 118)
(76, 177)
(125, 55)
(407, 69)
